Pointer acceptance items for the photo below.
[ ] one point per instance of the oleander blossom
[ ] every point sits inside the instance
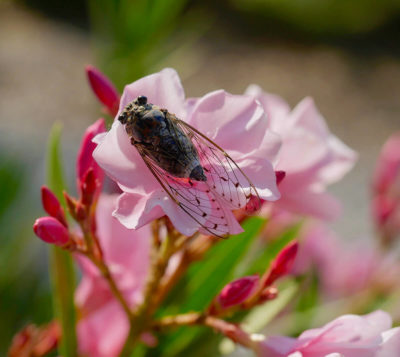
(347, 336)
(311, 156)
(236, 123)
(103, 325)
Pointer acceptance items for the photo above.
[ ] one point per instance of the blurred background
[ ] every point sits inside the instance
(344, 53)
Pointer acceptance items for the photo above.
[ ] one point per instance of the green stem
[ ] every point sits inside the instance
(142, 316)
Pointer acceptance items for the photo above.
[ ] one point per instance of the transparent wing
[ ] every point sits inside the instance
(194, 198)
(224, 176)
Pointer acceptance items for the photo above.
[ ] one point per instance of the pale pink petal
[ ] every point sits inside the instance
(103, 333)
(318, 204)
(262, 175)
(234, 122)
(341, 161)
(274, 106)
(122, 162)
(163, 89)
(307, 116)
(390, 343)
(134, 211)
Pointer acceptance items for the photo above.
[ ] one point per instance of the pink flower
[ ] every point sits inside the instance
(386, 190)
(348, 336)
(50, 230)
(103, 326)
(236, 123)
(104, 90)
(311, 156)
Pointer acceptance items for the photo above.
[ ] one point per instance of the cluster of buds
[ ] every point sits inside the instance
(386, 191)
(249, 291)
(54, 228)
(35, 341)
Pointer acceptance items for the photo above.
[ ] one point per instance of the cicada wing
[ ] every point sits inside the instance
(224, 176)
(194, 198)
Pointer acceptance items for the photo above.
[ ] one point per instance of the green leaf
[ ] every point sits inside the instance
(61, 264)
(261, 316)
(207, 278)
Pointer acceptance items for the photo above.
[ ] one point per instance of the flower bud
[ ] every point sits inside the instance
(280, 175)
(35, 341)
(235, 293)
(88, 187)
(282, 264)
(85, 161)
(51, 231)
(254, 204)
(52, 206)
(104, 90)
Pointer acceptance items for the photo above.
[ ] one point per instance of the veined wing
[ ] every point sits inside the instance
(194, 198)
(224, 176)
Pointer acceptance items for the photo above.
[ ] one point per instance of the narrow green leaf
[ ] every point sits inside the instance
(260, 316)
(208, 277)
(61, 264)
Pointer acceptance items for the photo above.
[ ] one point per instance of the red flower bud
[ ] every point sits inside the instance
(52, 206)
(88, 187)
(280, 175)
(282, 264)
(254, 204)
(103, 89)
(85, 160)
(235, 293)
(51, 231)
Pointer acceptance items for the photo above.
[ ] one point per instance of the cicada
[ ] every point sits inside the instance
(197, 174)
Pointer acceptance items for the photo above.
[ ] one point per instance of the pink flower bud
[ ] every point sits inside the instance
(85, 160)
(280, 175)
(237, 291)
(89, 187)
(282, 264)
(254, 204)
(51, 205)
(51, 231)
(104, 89)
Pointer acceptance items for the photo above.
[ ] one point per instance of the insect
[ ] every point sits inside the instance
(197, 174)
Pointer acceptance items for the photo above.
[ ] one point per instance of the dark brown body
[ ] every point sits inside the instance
(156, 135)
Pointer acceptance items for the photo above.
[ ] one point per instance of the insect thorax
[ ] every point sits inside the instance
(156, 136)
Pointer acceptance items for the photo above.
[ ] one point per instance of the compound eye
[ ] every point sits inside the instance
(142, 100)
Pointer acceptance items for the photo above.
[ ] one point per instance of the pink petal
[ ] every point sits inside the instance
(122, 162)
(163, 89)
(318, 204)
(306, 115)
(234, 122)
(103, 333)
(262, 175)
(390, 343)
(275, 107)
